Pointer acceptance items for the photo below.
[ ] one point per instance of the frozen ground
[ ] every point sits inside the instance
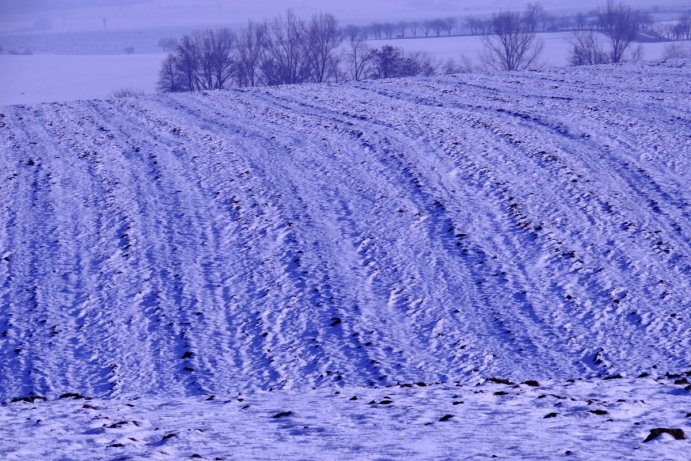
(285, 244)
(581, 420)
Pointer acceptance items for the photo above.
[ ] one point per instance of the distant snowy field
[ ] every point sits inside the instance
(49, 78)
(556, 50)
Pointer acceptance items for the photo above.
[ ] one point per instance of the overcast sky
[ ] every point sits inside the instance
(68, 15)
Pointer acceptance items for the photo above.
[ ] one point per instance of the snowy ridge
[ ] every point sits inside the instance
(529, 225)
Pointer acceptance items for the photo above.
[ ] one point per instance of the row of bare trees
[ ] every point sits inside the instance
(512, 43)
(406, 29)
(287, 50)
(678, 30)
(290, 50)
(619, 24)
(362, 62)
(534, 18)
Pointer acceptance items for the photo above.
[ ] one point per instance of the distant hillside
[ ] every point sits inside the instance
(527, 225)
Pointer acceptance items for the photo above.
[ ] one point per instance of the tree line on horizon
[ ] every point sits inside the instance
(287, 50)
(291, 50)
(534, 17)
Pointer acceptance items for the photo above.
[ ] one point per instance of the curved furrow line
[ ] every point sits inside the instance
(442, 225)
(76, 219)
(317, 180)
(263, 217)
(14, 370)
(632, 314)
(606, 294)
(511, 135)
(216, 347)
(45, 305)
(172, 227)
(217, 114)
(682, 205)
(10, 189)
(105, 265)
(410, 282)
(304, 261)
(627, 310)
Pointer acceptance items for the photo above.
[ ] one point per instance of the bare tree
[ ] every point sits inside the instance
(479, 26)
(391, 62)
(449, 25)
(401, 29)
(677, 51)
(322, 40)
(377, 29)
(512, 46)
(385, 62)
(201, 61)
(186, 61)
(413, 27)
(358, 57)
(388, 29)
(428, 27)
(618, 22)
(438, 26)
(251, 50)
(287, 60)
(216, 63)
(580, 21)
(586, 49)
(417, 63)
(682, 29)
(532, 16)
(169, 80)
(350, 32)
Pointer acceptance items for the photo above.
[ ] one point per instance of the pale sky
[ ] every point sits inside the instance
(70, 15)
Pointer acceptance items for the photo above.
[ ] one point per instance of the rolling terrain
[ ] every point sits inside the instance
(528, 225)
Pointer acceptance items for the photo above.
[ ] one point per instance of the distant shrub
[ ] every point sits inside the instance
(126, 93)
(24, 52)
(586, 49)
(168, 44)
(129, 50)
(677, 51)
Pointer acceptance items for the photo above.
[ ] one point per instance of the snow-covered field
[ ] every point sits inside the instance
(50, 78)
(284, 244)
